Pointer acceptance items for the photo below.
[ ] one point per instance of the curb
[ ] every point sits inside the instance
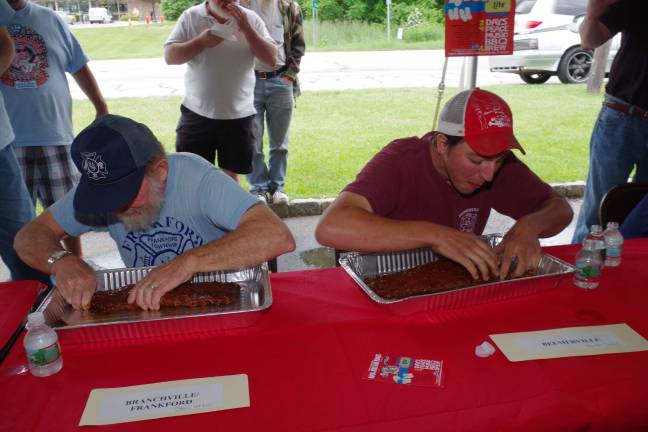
(315, 207)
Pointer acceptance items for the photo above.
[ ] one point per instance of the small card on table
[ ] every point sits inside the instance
(570, 342)
(165, 399)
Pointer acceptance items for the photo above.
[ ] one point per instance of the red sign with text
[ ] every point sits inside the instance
(479, 27)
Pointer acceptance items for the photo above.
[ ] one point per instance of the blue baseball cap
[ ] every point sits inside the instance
(111, 155)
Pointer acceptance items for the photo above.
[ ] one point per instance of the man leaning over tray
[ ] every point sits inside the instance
(438, 191)
(177, 212)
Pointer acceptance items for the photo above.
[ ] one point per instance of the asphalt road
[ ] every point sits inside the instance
(320, 71)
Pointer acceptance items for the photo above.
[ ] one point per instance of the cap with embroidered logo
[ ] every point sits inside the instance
(483, 119)
(111, 155)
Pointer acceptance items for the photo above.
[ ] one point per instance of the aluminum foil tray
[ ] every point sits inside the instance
(362, 266)
(255, 296)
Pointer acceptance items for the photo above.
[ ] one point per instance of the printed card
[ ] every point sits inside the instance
(405, 370)
(165, 399)
(570, 342)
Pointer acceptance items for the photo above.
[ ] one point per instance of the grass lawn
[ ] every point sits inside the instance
(146, 41)
(335, 133)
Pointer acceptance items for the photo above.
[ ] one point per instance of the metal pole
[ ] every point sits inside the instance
(388, 3)
(315, 19)
(471, 72)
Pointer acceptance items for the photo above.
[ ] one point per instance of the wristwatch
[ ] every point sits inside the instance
(57, 255)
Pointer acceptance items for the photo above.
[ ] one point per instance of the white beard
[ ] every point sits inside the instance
(143, 218)
(219, 10)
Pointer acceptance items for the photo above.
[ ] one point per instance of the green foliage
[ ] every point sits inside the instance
(374, 11)
(173, 8)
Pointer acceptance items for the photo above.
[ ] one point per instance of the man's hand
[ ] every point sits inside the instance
(75, 280)
(468, 250)
(148, 292)
(522, 247)
(207, 39)
(241, 18)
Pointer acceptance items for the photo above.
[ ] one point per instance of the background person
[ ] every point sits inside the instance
(16, 209)
(39, 103)
(219, 41)
(438, 191)
(619, 140)
(273, 96)
(176, 212)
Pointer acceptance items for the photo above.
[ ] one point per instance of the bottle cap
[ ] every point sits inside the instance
(596, 229)
(36, 318)
(613, 225)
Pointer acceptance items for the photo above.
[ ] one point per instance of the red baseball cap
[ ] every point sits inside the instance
(483, 119)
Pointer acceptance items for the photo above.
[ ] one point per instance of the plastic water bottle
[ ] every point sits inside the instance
(613, 244)
(42, 347)
(588, 266)
(596, 234)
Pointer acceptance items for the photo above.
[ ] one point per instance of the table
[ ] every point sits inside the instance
(306, 356)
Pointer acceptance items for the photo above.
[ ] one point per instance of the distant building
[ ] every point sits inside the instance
(117, 8)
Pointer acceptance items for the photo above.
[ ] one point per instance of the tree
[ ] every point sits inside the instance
(172, 9)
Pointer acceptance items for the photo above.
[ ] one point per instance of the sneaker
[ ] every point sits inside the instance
(261, 196)
(279, 197)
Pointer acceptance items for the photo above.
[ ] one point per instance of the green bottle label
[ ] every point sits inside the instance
(44, 356)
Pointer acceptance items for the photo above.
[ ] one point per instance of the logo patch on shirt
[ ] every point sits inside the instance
(29, 68)
(468, 219)
(164, 241)
(94, 166)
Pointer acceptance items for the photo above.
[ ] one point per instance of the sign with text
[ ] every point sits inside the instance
(405, 370)
(479, 27)
(165, 399)
(570, 342)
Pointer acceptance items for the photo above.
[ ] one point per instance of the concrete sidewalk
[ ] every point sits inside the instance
(301, 217)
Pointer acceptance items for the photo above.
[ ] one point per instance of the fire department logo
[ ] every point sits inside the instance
(29, 68)
(94, 167)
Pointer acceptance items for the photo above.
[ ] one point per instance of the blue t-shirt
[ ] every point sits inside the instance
(201, 204)
(6, 132)
(35, 88)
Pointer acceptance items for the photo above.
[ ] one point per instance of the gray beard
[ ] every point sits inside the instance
(144, 218)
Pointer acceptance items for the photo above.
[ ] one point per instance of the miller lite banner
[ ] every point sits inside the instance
(479, 27)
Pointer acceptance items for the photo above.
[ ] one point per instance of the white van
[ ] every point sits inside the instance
(99, 15)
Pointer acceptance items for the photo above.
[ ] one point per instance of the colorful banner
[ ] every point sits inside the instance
(479, 27)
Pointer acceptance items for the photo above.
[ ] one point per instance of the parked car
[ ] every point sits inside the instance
(546, 43)
(66, 16)
(99, 15)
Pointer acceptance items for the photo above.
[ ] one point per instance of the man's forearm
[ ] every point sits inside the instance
(262, 48)
(34, 244)
(353, 228)
(181, 52)
(592, 31)
(88, 84)
(552, 218)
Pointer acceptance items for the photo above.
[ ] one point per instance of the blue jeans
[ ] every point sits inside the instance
(16, 209)
(619, 143)
(273, 101)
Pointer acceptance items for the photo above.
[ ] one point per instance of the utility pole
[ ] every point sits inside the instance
(388, 4)
(315, 20)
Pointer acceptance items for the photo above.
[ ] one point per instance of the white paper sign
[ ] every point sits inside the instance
(570, 342)
(166, 399)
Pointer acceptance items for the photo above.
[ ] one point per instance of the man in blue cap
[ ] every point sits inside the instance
(177, 212)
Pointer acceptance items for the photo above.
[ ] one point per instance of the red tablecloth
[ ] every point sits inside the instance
(306, 357)
(16, 299)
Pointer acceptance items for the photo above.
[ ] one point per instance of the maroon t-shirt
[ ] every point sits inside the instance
(400, 182)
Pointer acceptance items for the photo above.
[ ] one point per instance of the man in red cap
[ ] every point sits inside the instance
(437, 191)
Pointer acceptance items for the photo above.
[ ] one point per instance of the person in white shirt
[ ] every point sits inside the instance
(219, 41)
